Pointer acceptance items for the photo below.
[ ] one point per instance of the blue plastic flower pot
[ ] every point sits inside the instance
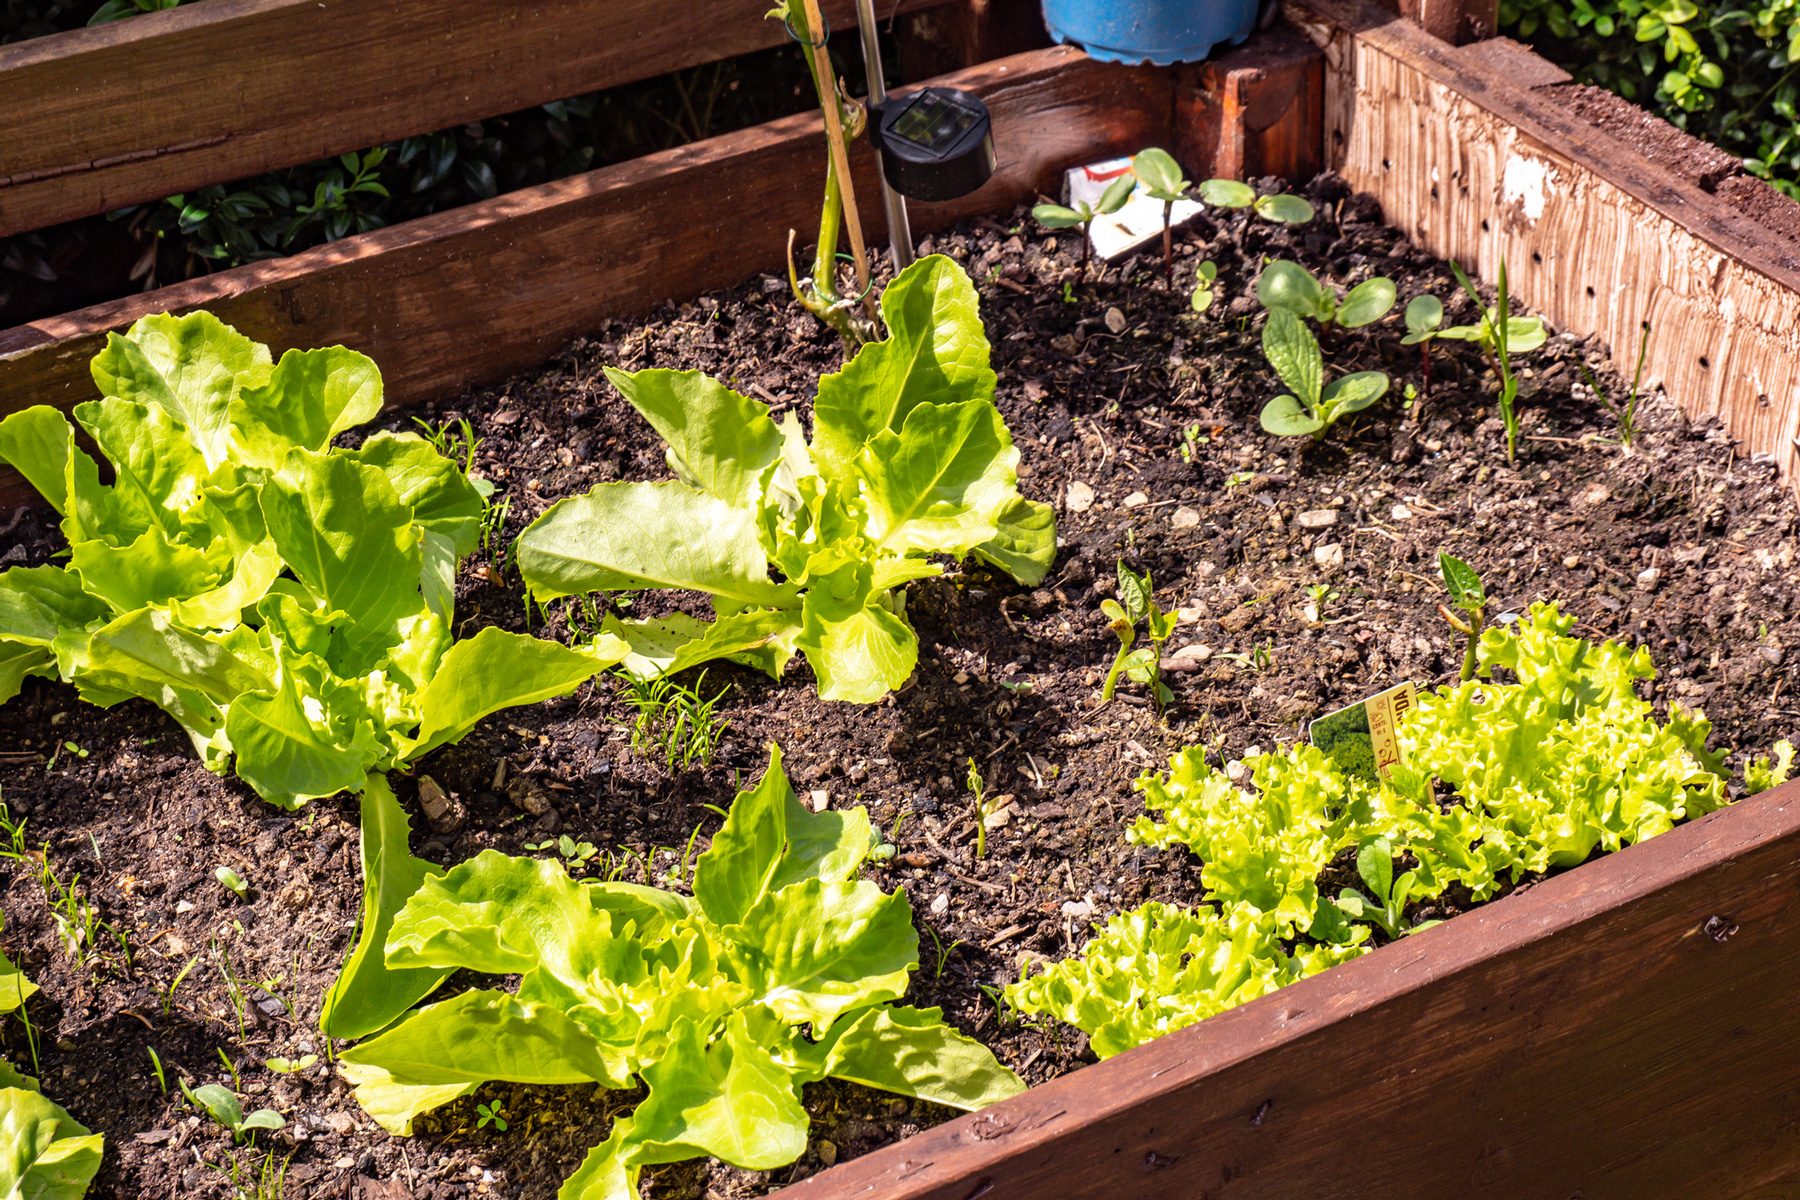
(1153, 31)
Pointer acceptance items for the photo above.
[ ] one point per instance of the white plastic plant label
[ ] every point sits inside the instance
(1140, 220)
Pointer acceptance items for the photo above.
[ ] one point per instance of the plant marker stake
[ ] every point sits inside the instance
(900, 242)
(840, 157)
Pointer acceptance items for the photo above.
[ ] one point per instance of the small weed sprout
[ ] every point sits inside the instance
(232, 882)
(675, 722)
(455, 440)
(574, 854)
(1468, 595)
(1286, 286)
(1424, 316)
(1625, 414)
(1083, 214)
(491, 1114)
(985, 807)
(1311, 406)
(1191, 441)
(1140, 664)
(156, 1068)
(943, 952)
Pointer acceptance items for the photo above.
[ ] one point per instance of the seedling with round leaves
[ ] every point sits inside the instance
(1161, 176)
(1082, 214)
(222, 1105)
(1283, 208)
(1286, 286)
(1204, 293)
(1311, 406)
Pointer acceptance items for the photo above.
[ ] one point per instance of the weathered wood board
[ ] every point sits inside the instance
(1473, 158)
(1629, 1030)
(466, 296)
(210, 93)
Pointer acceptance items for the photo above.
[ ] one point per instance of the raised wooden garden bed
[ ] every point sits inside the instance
(1626, 1029)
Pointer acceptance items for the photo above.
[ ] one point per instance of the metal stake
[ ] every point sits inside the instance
(900, 243)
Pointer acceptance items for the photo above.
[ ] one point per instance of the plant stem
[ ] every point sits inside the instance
(1168, 243)
(1477, 618)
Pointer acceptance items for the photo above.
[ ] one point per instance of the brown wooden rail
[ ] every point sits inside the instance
(209, 93)
(1629, 1030)
(471, 295)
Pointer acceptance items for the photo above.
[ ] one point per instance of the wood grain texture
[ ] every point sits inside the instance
(1475, 164)
(1255, 110)
(471, 295)
(210, 93)
(1624, 1031)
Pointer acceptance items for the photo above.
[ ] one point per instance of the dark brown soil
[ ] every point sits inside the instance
(1682, 544)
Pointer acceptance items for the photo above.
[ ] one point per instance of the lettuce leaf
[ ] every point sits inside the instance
(778, 972)
(909, 460)
(286, 601)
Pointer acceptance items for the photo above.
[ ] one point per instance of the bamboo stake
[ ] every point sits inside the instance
(840, 155)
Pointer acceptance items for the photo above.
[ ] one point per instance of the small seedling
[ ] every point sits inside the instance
(1238, 479)
(1282, 208)
(1286, 286)
(291, 1066)
(455, 440)
(64, 748)
(943, 952)
(1311, 406)
(231, 881)
(1469, 595)
(1626, 414)
(1140, 664)
(1191, 441)
(1320, 596)
(156, 1068)
(1384, 905)
(1500, 335)
(575, 855)
(978, 788)
(1204, 278)
(222, 1105)
(1161, 176)
(1082, 215)
(490, 1114)
(676, 722)
(1424, 315)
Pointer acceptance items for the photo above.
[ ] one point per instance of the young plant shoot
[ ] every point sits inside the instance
(1281, 208)
(287, 602)
(1626, 413)
(1311, 406)
(1286, 286)
(1161, 176)
(1205, 276)
(782, 969)
(1143, 665)
(1500, 335)
(804, 546)
(1082, 215)
(1469, 597)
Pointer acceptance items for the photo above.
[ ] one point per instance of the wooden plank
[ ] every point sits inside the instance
(1473, 163)
(1624, 1031)
(216, 92)
(471, 295)
(1255, 110)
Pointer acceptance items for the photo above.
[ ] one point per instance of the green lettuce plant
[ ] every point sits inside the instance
(1310, 406)
(1544, 759)
(45, 1154)
(1286, 286)
(288, 602)
(781, 969)
(1163, 967)
(803, 546)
